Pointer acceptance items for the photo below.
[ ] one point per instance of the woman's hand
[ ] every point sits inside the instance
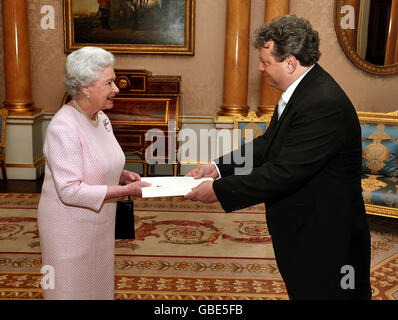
(128, 177)
(132, 186)
(135, 188)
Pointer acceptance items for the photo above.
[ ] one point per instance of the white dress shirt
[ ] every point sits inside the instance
(287, 94)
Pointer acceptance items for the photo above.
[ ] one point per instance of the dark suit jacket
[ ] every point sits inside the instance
(306, 169)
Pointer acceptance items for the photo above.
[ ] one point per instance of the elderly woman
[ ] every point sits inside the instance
(84, 170)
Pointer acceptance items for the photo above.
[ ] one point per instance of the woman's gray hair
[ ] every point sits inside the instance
(84, 67)
(292, 36)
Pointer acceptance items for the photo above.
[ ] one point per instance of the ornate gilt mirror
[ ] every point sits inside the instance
(367, 31)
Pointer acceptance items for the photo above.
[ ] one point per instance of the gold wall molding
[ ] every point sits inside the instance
(26, 120)
(34, 165)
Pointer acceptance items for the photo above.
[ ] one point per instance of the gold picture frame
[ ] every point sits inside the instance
(131, 26)
(347, 38)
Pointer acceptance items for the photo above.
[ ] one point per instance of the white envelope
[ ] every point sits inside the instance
(170, 186)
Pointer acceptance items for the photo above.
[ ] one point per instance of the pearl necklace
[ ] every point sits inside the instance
(94, 122)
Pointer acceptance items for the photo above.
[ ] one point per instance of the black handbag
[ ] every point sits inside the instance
(124, 226)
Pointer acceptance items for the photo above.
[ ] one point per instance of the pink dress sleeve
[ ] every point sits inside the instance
(64, 151)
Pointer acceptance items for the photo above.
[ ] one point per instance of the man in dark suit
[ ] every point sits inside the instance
(306, 169)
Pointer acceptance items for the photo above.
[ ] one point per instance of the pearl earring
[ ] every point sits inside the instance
(88, 97)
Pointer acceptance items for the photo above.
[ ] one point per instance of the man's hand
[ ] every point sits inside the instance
(204, 170)
(203, 192)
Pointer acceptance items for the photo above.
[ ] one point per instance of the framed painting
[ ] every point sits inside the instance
(131, 26)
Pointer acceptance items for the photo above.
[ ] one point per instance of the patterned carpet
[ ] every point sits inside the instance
(183, 251)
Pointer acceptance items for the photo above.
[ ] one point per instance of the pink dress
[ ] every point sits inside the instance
(76, 225)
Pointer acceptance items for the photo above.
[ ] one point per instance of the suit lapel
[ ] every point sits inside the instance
(272, 129)
(274, 119)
